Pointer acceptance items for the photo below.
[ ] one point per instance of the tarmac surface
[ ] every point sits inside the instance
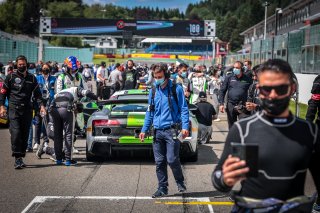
(123, 184)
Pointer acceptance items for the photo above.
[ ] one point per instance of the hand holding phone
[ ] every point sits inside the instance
(248, 153)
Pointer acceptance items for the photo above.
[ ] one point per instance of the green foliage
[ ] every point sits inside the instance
(233, 16)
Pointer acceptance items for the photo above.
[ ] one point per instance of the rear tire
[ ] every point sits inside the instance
(93, 158)
(193, 157)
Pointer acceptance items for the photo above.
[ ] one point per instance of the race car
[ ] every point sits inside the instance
(118, 124)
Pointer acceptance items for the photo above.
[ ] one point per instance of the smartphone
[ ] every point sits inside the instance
(248, 153)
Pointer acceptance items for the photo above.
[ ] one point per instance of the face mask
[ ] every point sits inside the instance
(184, 75)
(22, 69)
(236, 71)
(45, 71)
(275, 106)
(159, 81)
(245, 68)
(219, 73)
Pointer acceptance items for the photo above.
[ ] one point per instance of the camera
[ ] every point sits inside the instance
(240, 107)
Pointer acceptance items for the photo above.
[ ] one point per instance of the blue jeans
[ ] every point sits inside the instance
(166, 151)
(30, 138)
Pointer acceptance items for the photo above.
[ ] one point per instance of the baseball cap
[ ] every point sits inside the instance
(202, 95)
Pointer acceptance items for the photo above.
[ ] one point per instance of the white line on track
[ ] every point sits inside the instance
(42, 199)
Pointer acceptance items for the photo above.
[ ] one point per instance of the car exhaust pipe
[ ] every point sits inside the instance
(106, 131)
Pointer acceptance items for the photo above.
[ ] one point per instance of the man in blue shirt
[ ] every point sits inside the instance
(168, 112)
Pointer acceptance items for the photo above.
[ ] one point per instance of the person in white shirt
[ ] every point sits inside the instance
(115, 79)
(102, 75)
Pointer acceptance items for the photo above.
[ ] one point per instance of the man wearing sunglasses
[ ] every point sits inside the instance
(237, 86)
(287, 146)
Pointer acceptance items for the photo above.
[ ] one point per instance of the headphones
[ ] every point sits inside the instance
(163, 67)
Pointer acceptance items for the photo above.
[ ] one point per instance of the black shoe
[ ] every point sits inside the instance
(18, 164)
(161, 192)
(40, 151)
(29, 150)
(182, 187)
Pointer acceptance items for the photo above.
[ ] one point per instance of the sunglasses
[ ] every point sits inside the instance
(280, 89)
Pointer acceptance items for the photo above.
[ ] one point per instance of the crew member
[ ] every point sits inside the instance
(64, 106)
(237, 86)
(130, 76)
(205, 114)
(18, 88)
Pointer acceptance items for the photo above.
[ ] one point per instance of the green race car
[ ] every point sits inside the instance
(118, 124)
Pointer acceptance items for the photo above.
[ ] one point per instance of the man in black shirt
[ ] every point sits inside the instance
(288, 146)
(205, 114)
(237, 86)
(130, 77)
(18, 87)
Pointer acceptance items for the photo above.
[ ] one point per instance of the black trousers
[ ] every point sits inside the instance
(313, 108)
(63, 120)
(233, 115)
(100, 90)
(20, 121)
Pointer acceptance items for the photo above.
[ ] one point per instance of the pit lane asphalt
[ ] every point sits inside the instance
(123, 184)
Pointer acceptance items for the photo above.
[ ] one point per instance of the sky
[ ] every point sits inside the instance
(181, 4)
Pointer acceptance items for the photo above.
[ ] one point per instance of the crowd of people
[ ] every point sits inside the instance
(255, 100)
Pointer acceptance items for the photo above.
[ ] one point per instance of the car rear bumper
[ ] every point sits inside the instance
(104, 146)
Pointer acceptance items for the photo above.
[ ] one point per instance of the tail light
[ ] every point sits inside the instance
(105, 122)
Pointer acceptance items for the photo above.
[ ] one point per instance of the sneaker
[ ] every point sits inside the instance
(75, 151)
(316, 208)
(181, 187)
(36, 146)
(161, 192)
(59, 162)
(217, 120)
(40, 151)
(70, 163)
(18, 164)
(29, 150)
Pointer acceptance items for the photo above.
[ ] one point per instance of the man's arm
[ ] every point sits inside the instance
(182, 104)
(58, 84)
(217, 175)
(37, 93)
(223, 90)
(314, 165)
(124, 78)
(149, 114)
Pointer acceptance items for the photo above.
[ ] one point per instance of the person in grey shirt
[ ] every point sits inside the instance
(115, 79)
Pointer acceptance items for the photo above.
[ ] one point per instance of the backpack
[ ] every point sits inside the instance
(173, 92)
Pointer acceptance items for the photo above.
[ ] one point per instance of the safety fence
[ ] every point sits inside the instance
(301, 48)
(13, 45)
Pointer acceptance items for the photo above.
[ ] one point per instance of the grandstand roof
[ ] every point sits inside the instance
(167, 40)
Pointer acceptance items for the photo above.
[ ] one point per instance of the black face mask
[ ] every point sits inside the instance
(22, 69)
(275, 106)
(45, 71)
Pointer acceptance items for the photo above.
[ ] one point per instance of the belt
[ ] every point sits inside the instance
(173, 126)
